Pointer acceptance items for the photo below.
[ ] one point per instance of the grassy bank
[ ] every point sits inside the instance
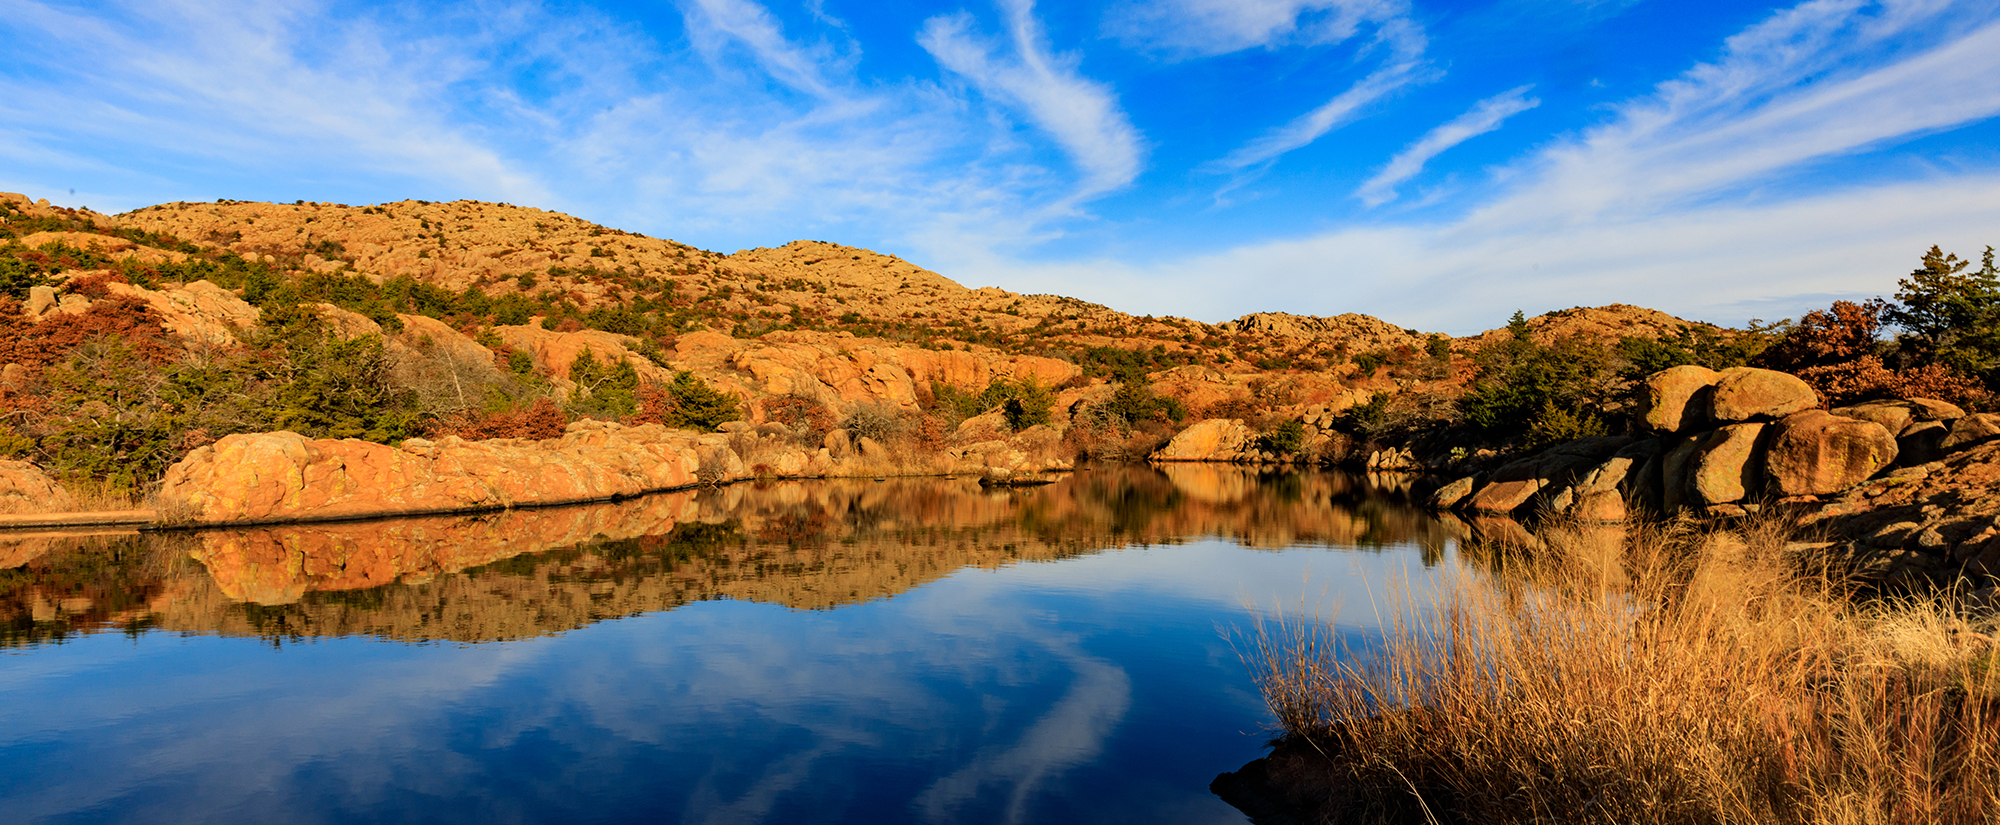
(1645, 674)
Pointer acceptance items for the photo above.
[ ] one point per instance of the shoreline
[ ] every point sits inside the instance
(39, 525)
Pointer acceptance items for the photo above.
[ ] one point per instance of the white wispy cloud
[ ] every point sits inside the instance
(750, 137)
(754, 26)
(1400, 41)
(1710, 193)
(1203, 28)
(1403, 68)
(1785, 92)
(1485, 116)
(1082, 115)
(1682, 199)
(248, 85)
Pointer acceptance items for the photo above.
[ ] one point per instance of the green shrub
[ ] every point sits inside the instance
(1699, 344)
(1518, 379)
(1024, 404)
(341, 389)
(603, 390)
(13, 444)
(1369, 362)
(1555, 425)
(520, 363)
(1135, 402)
(1373, 418)
(688, 402)
(1288, 438)
(1438, 348)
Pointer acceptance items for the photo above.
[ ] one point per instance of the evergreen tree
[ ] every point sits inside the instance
(1948, 315)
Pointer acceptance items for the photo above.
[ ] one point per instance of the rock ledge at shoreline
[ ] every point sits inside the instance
(286, 477)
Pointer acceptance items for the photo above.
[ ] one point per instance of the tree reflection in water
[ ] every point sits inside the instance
(802, 544)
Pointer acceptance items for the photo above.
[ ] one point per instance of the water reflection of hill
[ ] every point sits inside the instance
(530, 572)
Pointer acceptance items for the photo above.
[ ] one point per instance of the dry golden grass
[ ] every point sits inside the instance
(94, 495)
(1650, 674)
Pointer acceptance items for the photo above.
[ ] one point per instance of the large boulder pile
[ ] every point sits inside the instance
(1724, 443)
(1934, 521)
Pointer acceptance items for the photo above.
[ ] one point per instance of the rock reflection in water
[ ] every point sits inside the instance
(520, 573)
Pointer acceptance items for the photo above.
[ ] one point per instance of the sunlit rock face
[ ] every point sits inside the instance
(1751, 394)
(286, 477)
(1217, 439)
(24, 488)
(1675, 400)
(1816, 453)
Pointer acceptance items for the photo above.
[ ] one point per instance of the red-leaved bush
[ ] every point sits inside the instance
(542, 419)
(1836, 351)
(37, 345)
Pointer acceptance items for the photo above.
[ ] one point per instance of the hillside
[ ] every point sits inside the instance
(483, 311)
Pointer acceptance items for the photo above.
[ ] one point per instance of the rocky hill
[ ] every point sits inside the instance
(501, 250)
(482, 309)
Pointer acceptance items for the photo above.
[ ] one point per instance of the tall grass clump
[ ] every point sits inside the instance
(1646, 674)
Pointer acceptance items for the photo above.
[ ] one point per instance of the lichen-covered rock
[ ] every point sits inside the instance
(1972, 429)
(1816, 453)
(1394, 459)
(24, 488)
(1748, 394)
(871, 450)
(1930, 409)
(1676, 463)
(1899, 415)
(1517, 483)
(1599, 494)
(1216, 439)
(838, 443)
(1676, 399)
(1728, 466)
(200, 312)
(1451, 494)
(1894, 416)
(1511, 487)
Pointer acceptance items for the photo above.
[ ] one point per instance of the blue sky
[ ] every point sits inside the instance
(1436, 164)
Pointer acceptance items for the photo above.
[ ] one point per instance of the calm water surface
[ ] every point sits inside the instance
(840, 651)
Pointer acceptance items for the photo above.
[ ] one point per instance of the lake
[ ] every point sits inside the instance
(907, 650)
